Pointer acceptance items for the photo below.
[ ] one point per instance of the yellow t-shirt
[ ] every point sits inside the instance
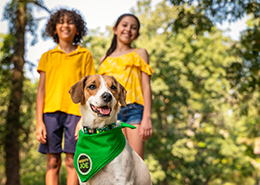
(127, 70)
(62, 71)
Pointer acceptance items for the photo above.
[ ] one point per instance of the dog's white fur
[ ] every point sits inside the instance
(128, 168)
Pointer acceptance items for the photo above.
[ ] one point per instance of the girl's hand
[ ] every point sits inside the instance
(77, 130)
(41, 133)
(146, 129)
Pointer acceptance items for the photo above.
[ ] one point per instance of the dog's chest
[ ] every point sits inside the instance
(94, 151)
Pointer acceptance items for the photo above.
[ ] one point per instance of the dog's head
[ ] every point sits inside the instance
(99, 97)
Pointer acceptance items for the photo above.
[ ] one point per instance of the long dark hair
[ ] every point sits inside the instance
(114, 40)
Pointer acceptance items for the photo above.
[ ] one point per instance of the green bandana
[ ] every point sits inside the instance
(94, 151)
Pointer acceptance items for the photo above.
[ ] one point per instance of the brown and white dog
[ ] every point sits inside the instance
(99, 97)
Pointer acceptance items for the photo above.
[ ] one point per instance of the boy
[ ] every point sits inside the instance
(59, 69)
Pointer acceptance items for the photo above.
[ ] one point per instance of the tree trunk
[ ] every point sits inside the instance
(13, 124)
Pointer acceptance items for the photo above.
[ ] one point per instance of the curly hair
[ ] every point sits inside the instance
(77, 19)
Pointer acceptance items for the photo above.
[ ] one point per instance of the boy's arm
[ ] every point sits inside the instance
(41, 133)
(89, 65)
(78, 127)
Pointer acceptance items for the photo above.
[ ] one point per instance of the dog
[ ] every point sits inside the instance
(99, 97)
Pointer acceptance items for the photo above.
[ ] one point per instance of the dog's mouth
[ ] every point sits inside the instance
(103, 111)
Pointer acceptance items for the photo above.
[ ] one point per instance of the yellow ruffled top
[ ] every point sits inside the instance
(127, 70)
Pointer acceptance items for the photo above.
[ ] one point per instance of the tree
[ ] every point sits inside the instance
(19, 14)
(243, 71)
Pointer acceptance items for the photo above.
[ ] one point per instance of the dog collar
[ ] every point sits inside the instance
(94, 151)
(88, 130)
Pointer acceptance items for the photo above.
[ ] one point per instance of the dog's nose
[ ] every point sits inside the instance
(107, 97)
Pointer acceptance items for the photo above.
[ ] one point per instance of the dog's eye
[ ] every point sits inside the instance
(92, 87)
(113, 87)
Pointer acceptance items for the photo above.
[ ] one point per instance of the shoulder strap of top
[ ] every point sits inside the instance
(135, 49)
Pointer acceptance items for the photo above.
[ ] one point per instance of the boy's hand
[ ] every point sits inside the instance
(41, 133)
(77, 130)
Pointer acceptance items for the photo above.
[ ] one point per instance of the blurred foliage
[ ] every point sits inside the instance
(4, 96)
(205, 92)
(243, 72)
(217, 10)
(32, 163)
(97, 43)
(17, 107)
(193, 130)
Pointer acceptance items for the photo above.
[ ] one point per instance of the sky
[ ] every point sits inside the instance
(97, 14)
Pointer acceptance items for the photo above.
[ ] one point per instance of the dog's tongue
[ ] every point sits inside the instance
(104, 110)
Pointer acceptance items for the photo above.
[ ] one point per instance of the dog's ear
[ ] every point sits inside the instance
(77, 90)
(122, 94)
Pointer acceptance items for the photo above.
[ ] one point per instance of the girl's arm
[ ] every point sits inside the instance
(40, 127)
(146, 130)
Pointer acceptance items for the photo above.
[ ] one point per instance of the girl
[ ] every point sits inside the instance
(130, 66)
(59, 69)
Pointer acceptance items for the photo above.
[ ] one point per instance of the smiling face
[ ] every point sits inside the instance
(127, 30)
(66, 28)
(99, 98)
(98, 93)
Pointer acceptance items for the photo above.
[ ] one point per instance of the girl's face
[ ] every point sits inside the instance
(127, 30)
(66, 29)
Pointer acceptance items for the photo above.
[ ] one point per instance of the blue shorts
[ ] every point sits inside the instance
(56, 123)
(132, 113)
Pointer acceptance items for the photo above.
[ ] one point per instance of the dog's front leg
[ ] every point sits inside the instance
(123, 166)
(84, 183)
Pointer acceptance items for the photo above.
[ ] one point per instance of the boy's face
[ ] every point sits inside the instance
(66, 29)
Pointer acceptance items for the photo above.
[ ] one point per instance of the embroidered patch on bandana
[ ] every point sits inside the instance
(94, 151)
(84, 164)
